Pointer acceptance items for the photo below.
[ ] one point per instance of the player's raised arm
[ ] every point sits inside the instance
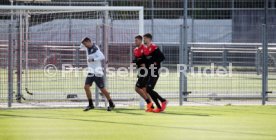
(81, 46)
(99, 55)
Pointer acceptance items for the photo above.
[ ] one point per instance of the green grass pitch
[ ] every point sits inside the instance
(177, 123)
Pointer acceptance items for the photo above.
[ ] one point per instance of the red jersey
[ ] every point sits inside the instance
(139, 51)
(151, 48)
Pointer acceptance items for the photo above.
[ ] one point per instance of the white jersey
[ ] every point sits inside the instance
(94, 67)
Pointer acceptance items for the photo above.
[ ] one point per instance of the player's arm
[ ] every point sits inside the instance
(134, 60)
(138, 58)
(138, 62)
(98, 56)
(158, 56)
(161, 56)
(143, 65)
(136, 55)
(142, 62)
(81, 46)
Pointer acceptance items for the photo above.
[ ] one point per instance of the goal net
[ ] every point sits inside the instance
(41, 64)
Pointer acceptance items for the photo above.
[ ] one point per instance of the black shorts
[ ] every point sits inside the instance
(142, 82)
(98, 80)
(152, 81)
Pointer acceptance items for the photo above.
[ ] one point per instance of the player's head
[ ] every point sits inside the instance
(147, 38)
(138, 40)
(86, 42)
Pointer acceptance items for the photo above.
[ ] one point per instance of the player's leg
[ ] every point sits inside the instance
(150, 89)
(145, 90)
(107, 95)
(163, 101)
(153, 97)
(88, 83)
(140, 84)
(100, 83)
(148, 96)
(141, 93)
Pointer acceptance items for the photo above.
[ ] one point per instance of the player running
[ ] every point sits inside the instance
(139, 59)
(95, 72)
(154, 57)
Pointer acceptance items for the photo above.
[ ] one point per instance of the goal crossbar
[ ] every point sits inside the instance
(77, 8)
(140, 9)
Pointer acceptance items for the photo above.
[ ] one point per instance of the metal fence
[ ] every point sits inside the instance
(222, 35)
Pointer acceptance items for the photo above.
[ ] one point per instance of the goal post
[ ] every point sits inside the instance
(49, 35)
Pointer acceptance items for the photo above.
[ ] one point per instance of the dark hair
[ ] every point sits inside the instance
(139, 37)
(86, 39)
(148, 35)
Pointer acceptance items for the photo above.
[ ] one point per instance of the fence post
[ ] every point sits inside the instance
(193, 21)
(183, 54)
(191, 59)
(265, 69)
(10, 67)
(265, 55)
(96, 89)
(77, 57)
(257, 60)
(105, 46)
(185, 47)
(26, 44)
(224, 58)
(152, 17)
(19, 56)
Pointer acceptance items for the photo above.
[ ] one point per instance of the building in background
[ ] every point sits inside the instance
(246, 17)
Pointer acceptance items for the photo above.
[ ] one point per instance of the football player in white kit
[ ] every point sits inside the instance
(95, 72)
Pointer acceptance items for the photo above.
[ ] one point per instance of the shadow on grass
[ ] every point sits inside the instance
(61, 112)
(185, 114)
(122, 111)
(258, 78)
(127, 113)
(139, 124)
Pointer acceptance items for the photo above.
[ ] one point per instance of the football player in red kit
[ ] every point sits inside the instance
(154, 57)
(139, 59)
